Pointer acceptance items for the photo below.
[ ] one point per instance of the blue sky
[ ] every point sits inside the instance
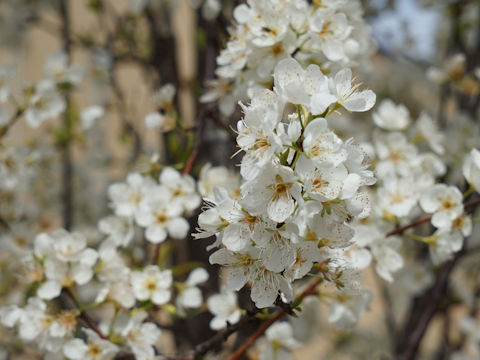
(408, 29)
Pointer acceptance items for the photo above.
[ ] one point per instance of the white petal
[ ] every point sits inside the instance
(197, 276)
(161, 297)
(75, 349)
(178, 228)
(155, 234)
(49, 290)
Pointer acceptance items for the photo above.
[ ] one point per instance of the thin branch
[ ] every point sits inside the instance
(190, 161)
(402, 229)
(5, 128)
(84, 316)
(269, 322)
(199, 127)
(156, 253)
(259, 332)
(418, 322)
(222, 336)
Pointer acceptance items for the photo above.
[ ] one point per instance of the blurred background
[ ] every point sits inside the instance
(427, 57)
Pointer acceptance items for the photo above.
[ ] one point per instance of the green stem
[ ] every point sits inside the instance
(112, 322)
(299, 112)
(470, 191)
(429, 240)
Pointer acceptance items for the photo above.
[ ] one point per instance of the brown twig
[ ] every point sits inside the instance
(259, 332)
(221, 336)
(5, 128)
(156, 253)
(84, 316)
(91, 324)
(402, 229)
(419, 320)
(190, 161)
(269, 322)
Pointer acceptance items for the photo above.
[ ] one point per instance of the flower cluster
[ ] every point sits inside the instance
(159, 208)
(61, 263)
(301, 187)
(331, 33)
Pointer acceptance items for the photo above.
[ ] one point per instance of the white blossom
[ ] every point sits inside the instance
(190, 296)
(279, 341)
(152, 284)
(45, 103)
(141, 336)
(445, 202)
(471, 169)
(90, 115)
(94, 349)
(348, 307)
(390, 116)
(224, 309)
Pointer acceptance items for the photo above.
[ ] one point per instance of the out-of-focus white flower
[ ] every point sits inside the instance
(190, 296)
(398, 196)
(36, 323)
(141, 336)
(115, 276)
(127, 197)
(163, 98)
(390, 116)
(221, 91)
(210, 8)
(58, 68)
(279, 341)
(160, 121)
(224, 309)
(161, 216)
(452, 69)
(384, 250)
(102, 60)
(94, 349)
(428, 130)
(471, 168)
(444, 244)
(152, 283)
(348, 307)
(46, 103)
(66, 261)
(164, 117)
(445, 202)
(181, 188)
(90, 115)
(213, 176)
(119, 229)
(396, 155)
